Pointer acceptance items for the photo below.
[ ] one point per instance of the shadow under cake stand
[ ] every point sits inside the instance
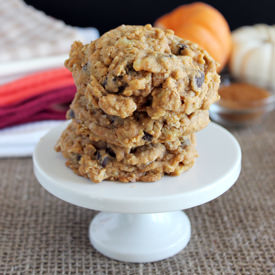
(143, 222)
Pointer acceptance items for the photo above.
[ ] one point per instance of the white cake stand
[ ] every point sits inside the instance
(142, 222)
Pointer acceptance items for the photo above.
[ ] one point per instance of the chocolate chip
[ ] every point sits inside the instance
(133, 150)
(117, 78)
(120, 89)
(85, 67)
(110, 152)
(149, 101)
(104, 162)
(78, 157)
(104, 83)
(199, 79)
(97, 155)
(181, 47)
(71, 114)
(129, 68)
(147, 136)
(170, 55)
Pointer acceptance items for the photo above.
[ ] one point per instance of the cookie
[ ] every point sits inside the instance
(90, 157)
(142, 93)
(138, 129)
(143, 68)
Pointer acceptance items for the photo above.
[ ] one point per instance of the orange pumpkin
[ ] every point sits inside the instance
(202, 24)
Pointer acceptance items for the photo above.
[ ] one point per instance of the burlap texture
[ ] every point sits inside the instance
(234, 234)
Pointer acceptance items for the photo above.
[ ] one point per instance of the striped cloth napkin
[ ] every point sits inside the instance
(40, 96)
(35, 104)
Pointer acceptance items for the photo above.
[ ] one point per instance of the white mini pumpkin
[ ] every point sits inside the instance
(253, 55)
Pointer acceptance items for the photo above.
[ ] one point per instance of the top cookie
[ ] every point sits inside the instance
(146, 69)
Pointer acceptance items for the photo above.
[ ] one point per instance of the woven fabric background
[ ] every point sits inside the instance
(234, 234)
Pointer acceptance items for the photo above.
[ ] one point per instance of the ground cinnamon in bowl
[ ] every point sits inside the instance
(242, 95)
(241, 104)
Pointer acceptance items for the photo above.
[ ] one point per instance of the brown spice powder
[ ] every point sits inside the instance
(245, 101)
(242, 95)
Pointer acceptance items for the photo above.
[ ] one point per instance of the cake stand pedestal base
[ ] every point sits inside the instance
(140, 238)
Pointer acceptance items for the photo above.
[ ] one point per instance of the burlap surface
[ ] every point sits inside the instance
(234, 234)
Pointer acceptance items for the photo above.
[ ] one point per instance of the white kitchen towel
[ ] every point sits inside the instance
(20, 141)
(32, 41)
(15, 69)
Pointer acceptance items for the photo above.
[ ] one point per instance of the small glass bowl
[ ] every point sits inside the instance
(230, 113)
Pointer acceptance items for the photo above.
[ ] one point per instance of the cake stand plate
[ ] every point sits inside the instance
(142, 222)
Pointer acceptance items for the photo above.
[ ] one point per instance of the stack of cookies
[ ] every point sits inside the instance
(142, 93)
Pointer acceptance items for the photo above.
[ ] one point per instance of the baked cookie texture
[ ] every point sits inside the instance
(142, 93)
